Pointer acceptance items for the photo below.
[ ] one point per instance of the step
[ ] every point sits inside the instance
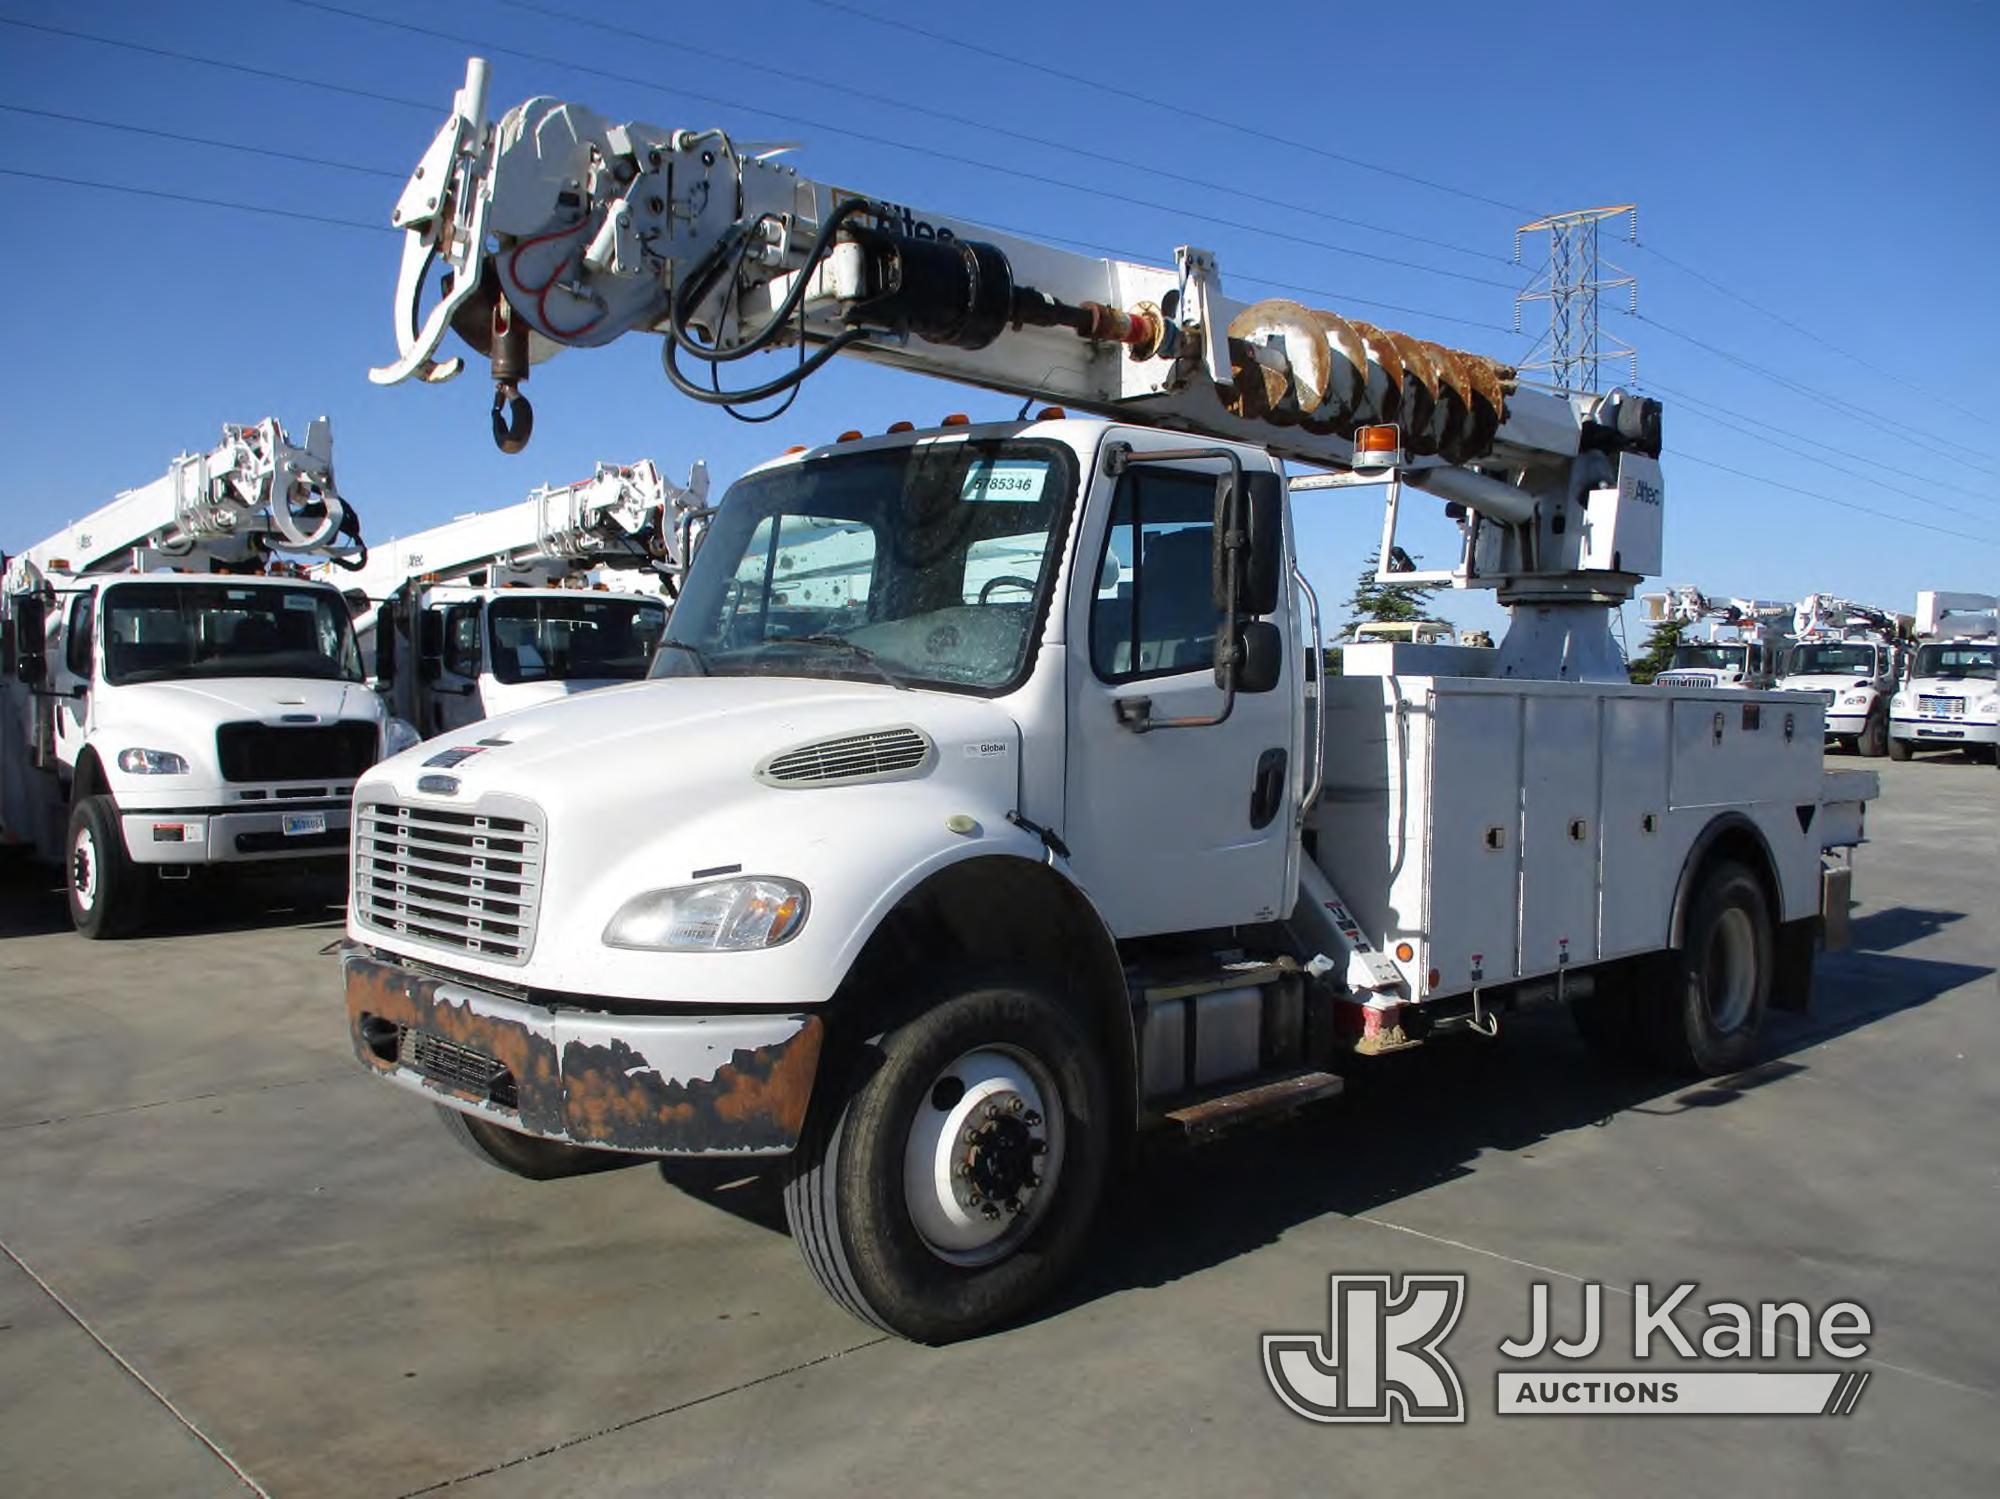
(1206, 1117)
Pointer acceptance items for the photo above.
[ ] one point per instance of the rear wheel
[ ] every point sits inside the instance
(954, 1184)
(1708, 1016)
(1899, 749)
(106, 896)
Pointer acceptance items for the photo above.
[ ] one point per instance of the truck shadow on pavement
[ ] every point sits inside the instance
(33, 903)
(1185, 1208)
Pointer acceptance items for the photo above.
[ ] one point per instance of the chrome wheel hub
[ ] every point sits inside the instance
(983, 1155)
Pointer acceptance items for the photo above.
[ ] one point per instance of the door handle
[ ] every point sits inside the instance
(1135, 713)
(1267, 788)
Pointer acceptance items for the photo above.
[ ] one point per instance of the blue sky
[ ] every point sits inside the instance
(1830, 162)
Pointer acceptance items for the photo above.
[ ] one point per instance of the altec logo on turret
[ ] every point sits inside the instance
(1382, 1358)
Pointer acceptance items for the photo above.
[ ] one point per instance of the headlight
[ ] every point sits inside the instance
(719, 916)
(145, 762)
(1900, 702)
(400, 734)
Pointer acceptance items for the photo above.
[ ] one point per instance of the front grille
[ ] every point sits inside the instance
(881, 755)
(1684, 679)
(466, 881)
(457, 1067)
(282, 752)
(1942, 707)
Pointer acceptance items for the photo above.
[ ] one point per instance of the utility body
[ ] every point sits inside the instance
(961, 868)
(1737, 643)
(1951, 697)
(507, 608)
(176, 694)
(1851, 657)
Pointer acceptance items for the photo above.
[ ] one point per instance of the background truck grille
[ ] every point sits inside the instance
(880, 755)
(278, 752)
(1942, 707)
(468, 881)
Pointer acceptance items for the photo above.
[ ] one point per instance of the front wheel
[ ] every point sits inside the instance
(1708, 1016)
(953, 1183)
(525, 1155)
(106, 898)
(1873, 740)
(1899, 749)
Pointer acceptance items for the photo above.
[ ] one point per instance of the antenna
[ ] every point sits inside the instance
(1571, 281)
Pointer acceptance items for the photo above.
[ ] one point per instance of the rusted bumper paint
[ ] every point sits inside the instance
(653, 1084)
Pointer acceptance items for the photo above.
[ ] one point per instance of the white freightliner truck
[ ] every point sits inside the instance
(939, 898)
(1951, 697)
(503, 609)
(1851, 656)
(176, 695)
(1742, 641)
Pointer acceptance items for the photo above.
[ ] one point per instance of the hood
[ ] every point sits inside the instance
(508, 697)
(166, 711)
(1836, 682)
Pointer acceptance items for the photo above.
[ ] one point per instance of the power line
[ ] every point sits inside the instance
(1804, 332)
(1178, 210)
(293, 80)
(1763, 430)
(1813, 494)
(1067, 148)
(155, 192)
(199, 140)
(1800, 388)
(1103, 85)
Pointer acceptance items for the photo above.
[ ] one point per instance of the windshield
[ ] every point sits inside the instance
(1709, 657)
(928, 565)
(583, 638)
(164, 632)
(1834, 660)
(1959, 661)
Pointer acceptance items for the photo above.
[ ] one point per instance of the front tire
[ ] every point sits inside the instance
(524, 1155)
(106, 898)
(1899, 749)
(1873, 740)
(951, 1186)
(1709, 1015)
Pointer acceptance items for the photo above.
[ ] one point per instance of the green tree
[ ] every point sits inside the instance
(1390, 602)
(1658, 651)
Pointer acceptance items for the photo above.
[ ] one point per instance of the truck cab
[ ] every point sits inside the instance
(1950, 700)
(482, 651)
(1725, 660)
(1854, 678)
(163, 722)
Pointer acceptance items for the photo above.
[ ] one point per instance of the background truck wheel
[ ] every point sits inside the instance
(106, 896)
(1709, 1012)
(1899, 749)
(1873, 740)
(949, 1186)
(524, 1155)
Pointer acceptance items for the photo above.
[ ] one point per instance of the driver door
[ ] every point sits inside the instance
(75, 677)
(1172, 829)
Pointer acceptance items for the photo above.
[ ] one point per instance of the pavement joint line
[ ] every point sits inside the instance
(590, 1436)
(1508, 1259)
(161, 1103)
(144, 1383)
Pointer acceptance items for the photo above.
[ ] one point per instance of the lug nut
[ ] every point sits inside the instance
(1038, 1147)
(1014, 1105)
(1013, 1204)
(1033, 1121)
(990, 1211)
(993, 1111)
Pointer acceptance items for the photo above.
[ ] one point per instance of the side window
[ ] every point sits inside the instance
(1155, 610)
(82, 623)
(461, 640)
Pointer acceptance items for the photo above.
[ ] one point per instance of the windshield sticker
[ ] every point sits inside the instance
(302, 601)
(1008, 482)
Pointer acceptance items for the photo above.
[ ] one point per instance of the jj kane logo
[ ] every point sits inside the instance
(1381, 1358)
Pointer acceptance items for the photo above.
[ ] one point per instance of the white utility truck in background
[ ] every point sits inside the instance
(175, 695)
(938, 895)
(1850, 656)
(501, 609)
(1741, 642)
(1951, 697)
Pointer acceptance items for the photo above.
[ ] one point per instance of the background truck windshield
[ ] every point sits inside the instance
(163, 632)
(582, 638)
(1958, 661)
(1835, 659)
(927, 565)
(1709, 657)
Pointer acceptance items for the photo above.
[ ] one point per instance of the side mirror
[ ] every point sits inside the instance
(386, 621)
(1254, 654)
(1261, 561)
(430, 645)
(30, 639)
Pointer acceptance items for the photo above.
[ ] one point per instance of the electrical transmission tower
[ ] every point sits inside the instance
(1571, 282)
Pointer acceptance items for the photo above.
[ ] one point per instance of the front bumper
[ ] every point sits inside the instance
(1945, 731)
(209, 836)
(651, 1084)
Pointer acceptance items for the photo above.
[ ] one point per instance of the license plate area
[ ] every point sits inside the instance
(301, 824)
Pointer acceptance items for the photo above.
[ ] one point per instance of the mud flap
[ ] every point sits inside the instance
(1791, 986)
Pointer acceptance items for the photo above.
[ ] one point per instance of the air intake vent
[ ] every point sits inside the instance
(881, 755)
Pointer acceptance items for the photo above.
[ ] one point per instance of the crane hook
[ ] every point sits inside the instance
(513, 418)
